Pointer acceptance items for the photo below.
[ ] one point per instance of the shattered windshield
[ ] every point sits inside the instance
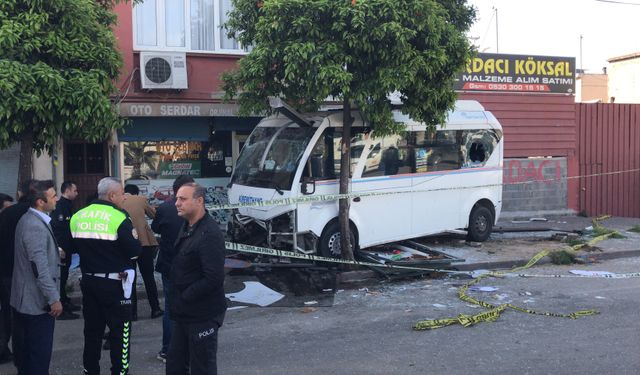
(271, 156)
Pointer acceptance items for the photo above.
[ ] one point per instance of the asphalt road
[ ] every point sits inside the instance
(369, 331)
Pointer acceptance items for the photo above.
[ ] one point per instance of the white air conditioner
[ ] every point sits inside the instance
(163, 70)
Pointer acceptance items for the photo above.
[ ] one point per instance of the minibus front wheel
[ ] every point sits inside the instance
(480, 224)
(329, 245)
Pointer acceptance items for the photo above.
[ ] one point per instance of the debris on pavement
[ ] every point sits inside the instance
(477, 288)
(256, 293)
(307, 310)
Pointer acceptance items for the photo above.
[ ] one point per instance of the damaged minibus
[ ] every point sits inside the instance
(438, 181)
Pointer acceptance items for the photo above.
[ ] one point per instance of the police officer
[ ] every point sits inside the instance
(60, 218)
(108, 245)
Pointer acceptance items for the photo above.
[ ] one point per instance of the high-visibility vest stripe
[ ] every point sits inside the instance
(96, 236)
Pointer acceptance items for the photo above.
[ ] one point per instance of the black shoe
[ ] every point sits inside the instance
(156, 313)
(106, 345)
(68, 315)
(70, 306)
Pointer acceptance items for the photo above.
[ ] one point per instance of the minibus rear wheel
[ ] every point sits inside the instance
(330, 240)
(480, 224)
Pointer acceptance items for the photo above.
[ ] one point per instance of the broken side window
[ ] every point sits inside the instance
(477, 146)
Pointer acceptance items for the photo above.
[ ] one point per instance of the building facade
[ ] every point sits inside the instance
(624, 78)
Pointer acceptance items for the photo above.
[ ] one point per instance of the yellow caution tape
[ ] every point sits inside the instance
(494, 312)
(243, 248)
(334, 197)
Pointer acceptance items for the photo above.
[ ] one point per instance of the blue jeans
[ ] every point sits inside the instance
(167, 324)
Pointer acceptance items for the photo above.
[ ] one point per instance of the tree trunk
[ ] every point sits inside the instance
(345, 178)
(26, 157)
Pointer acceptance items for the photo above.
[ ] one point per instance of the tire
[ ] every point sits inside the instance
(480, 224)
(330, 241)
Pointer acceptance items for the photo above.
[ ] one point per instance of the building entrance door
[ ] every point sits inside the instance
(85, 164)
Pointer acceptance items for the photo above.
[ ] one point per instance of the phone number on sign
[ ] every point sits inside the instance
(506, 87)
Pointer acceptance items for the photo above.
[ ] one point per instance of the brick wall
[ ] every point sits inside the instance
(534, 187)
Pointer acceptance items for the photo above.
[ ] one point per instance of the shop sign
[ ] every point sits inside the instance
(177, 110)
(518, 73)
(174, 169)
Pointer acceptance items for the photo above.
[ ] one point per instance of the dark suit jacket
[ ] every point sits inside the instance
(8, 222)
(167, 224)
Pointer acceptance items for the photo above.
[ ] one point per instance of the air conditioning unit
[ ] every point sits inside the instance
(163, 70)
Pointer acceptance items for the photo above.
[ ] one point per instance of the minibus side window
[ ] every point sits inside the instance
(388, 156)
(477, 146)
(437, 150)
(324, 161)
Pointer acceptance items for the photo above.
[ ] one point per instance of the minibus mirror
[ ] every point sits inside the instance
(308, 186)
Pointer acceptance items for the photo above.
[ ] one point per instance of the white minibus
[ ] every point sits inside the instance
(442, 180)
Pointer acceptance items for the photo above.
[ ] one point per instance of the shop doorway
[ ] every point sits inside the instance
(85, 164)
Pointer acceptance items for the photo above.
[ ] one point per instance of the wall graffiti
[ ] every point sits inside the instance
(518, 171)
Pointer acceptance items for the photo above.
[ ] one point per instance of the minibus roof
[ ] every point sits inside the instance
(467, 114)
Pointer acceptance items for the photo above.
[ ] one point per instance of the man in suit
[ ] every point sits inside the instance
(60, 218)
(35, 295)
(8, 222)
(137, 207)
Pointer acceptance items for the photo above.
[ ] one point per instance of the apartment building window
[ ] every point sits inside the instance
(183, 25)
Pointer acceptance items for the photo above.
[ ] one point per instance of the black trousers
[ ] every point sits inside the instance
(193, 349)
(103, 304)
(64, 276)
(145, 263)
(33, 341)
(5, 316)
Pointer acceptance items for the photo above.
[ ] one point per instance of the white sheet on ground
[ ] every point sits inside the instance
(255, 293)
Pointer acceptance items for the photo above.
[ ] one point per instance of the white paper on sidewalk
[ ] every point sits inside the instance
(255, 293)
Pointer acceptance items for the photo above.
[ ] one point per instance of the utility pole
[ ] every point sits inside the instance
(497, 43)
(581, 67)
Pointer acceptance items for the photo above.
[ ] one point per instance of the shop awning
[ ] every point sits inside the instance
(182, 128)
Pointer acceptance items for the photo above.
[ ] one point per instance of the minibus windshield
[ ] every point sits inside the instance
(271, 156)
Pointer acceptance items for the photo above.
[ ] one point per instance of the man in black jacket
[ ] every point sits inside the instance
(60, 218)
(167, 224)
(198, 303)
(8, 223)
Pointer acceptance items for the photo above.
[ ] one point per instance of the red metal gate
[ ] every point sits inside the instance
(609, 151)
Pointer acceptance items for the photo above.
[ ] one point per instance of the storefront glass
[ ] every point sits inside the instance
(154, 165)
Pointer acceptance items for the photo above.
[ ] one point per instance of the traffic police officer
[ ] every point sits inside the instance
(60, 219)
(108, 245)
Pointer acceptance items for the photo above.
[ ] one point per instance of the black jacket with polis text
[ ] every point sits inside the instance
(197, 273)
